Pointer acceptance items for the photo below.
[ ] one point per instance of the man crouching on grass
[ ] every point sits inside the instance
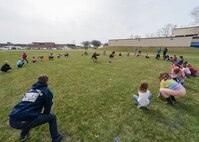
(28, 113)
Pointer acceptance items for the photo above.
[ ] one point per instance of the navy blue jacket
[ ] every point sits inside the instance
(38, 98)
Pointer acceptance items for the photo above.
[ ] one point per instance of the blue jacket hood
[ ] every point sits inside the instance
(39, 85)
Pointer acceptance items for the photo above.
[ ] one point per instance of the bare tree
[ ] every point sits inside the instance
(166, 31)
(195, 14)
(132, 36)
(135, 36)
(150, 35)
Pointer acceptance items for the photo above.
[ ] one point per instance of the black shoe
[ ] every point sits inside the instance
(173, 99)
(169, 101)
(24, 135)
(23, 138)
(60, 137)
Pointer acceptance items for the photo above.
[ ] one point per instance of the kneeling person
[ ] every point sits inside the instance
(28, 113)
(94, 56)
(5, 67)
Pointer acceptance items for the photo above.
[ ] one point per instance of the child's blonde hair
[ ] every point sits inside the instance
(143, 87)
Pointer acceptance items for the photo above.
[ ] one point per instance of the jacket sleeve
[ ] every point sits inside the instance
(163, 84)
(48, 102)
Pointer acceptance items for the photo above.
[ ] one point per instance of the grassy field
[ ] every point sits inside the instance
(93, 101)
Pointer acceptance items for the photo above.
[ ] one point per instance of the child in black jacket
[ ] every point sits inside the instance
(5, 67)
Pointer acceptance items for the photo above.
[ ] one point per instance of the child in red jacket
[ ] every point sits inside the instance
(193, 70)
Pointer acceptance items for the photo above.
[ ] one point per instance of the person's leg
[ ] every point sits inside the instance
(41, 119)
(194, 74)
(173, 98)
(150, 97)
(165, 92)
(4, 70)
(21, 125)
(26, 60)
(135, 97)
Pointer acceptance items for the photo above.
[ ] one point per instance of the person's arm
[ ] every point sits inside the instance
(8, 66)
(48, 103)
(163, 84)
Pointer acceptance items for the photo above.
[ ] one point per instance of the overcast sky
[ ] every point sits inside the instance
(74, 21)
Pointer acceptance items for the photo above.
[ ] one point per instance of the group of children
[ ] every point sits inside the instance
(94, 57)
(171, 84)
(6, 66)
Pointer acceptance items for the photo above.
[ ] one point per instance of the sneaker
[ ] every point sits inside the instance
(159, 95)
(24, 135)
(173, 99)
(169, 101)
(60, 137)
(23, 138)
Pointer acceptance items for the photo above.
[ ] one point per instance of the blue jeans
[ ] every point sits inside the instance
(25, 126)
(135, 97)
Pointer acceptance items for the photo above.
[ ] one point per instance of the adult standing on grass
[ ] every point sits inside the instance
(28, 113)
(169, 88)
(24, 56)
(165, 52)
(158, 53)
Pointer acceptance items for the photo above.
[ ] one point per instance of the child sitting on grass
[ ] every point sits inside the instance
(193, 70)
(169, 88)
(177, 76)
(34, 59)
(144, 96)
(186, 69)
(20, 63)
(5, 67)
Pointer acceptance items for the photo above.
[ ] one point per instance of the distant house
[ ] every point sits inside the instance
(10, 46)
(37, 46)
(41, 45)
(188, 31)
(181, 37)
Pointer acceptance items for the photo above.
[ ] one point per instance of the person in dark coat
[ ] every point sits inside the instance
(111, 56)
(34, 110)
(165, 52)
(94, 57)
(5, 67)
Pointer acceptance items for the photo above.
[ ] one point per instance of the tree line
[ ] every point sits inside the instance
(91, 44)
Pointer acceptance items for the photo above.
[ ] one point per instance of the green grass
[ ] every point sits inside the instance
(93, 101)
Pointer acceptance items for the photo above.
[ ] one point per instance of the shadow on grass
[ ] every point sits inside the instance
(167, 120)
(189, 109)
